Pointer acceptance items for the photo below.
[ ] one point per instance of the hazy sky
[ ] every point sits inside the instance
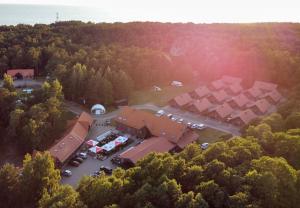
(189, 10)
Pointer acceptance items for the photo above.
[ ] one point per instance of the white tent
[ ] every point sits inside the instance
(98, 109)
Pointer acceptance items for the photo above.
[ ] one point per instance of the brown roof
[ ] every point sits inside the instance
(24, 72)
(183, 99)
(274, 95)
(158, 126)
(202, 105)
(220, 95)
(235, 88)
(218, 84)
(263, 105)
(154, 144)
(254, 92)
(189, 137)
(223, 110)
(72, 140)
(246, 116)
(202, 91)
(229, 80)
(241, 100)
(268, 86)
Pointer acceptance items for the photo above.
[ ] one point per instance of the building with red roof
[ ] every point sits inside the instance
(217, 85)
(221, 112)
(265, 86)
(243, 118)
(200, 106)
(21, 73)
(234, 89)
(181, 101)
(200, 92)
(260, 107)
(273, 96)
(229, 80)
(218, 97)
(253, 93)
(63, 150)
(239, 102)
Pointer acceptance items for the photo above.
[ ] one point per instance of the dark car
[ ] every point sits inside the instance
(106, 170)
(116, 160)
(78, 159)
(74, 163)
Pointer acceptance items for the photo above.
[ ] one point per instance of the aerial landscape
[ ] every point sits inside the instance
(131, 104)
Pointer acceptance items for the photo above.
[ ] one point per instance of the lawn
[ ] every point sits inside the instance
(160, 98)
(210, 135)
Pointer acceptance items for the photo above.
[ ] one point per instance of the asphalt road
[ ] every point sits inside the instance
(187, 116)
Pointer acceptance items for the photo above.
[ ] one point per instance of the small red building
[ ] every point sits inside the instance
(21, 73)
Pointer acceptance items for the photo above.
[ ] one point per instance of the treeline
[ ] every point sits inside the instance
(31, 121)
(258, 170)
(145, 54)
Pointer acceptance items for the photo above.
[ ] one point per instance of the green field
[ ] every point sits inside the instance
(158, 98)
(210, 135)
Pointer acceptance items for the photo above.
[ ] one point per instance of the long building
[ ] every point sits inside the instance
(66, 146)
(157, 131)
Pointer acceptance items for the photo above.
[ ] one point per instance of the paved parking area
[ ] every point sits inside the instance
(91, 164)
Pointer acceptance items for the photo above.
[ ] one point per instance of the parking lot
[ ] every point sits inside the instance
(92, 164)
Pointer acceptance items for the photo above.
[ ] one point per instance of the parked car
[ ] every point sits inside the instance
(95, 174)
(180, 120)
(67, 173)
(198, 126)
(173, 119)
(82, 155)
(189, 124)
(108, 122)
(116, 160)
(170, 115)
(74, 163)
(160, 113)
(106, 170)
(78, 159)
(204, 145)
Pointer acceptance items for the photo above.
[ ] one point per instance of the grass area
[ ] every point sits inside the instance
(210, 135)
(158, 98)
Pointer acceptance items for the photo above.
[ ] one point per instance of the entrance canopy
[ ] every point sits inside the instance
(98, 109)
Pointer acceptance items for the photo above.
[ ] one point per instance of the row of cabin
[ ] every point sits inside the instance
(226, 100)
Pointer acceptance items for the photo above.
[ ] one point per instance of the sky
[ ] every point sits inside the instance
(198, 11)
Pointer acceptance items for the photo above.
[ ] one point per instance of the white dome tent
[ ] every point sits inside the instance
(98, 109)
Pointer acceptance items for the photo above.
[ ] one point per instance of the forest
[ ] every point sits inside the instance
(105, 62)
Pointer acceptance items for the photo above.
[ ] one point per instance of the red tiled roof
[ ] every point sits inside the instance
(235, 88)
(158, 126)
(241, 100)
(229, 80)
(217, 84)
(263, 105)
(202, 91)
(154, 144)
(188, 138)
(202, 105)
(220, 95)
(24, 72)
(268, 86)
(274, 95)
(183, 99)
(246, 116)
(254, 92)
(223, 110)
(72, 140)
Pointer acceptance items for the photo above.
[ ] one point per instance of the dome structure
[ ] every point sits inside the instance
(98, 109)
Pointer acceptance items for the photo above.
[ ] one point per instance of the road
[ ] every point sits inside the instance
(187, 116)
(26, 83)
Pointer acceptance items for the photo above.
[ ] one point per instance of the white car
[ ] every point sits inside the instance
(173, 119)
(83, 155)
(189, 124)
(67, 173)
(198, 126)
(160, 113)
(170, 115)
(180, 120)
(204, 145)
